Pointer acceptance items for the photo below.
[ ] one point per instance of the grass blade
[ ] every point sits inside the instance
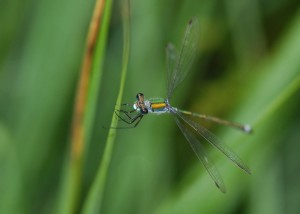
(85, 105)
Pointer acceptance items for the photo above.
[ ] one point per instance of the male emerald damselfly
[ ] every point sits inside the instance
(178, 66)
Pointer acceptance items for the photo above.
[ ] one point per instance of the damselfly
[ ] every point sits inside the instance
(178, 65)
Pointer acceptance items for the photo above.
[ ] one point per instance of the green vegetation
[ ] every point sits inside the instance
(247, 70)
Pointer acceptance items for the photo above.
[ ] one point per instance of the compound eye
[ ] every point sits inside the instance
(139, 95)
(144, 111)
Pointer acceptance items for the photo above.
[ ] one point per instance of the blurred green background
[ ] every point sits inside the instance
(247, 70)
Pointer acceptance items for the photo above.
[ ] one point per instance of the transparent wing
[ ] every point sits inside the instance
(180, 64)
(199, 151)
(172, 56)
(216, 142)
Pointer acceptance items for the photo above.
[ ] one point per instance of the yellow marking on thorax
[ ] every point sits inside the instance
(158, 105)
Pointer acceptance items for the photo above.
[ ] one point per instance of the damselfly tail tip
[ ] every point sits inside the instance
(222, 188)
(192, 20)
(247, 128)
(249, 172)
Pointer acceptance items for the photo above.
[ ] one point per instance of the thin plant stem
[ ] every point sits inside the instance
(94, 199)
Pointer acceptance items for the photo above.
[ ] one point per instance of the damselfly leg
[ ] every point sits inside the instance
(129, 116)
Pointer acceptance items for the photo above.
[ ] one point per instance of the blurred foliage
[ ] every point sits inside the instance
(247, 70)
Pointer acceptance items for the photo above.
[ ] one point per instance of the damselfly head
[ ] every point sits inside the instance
(140, 96)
